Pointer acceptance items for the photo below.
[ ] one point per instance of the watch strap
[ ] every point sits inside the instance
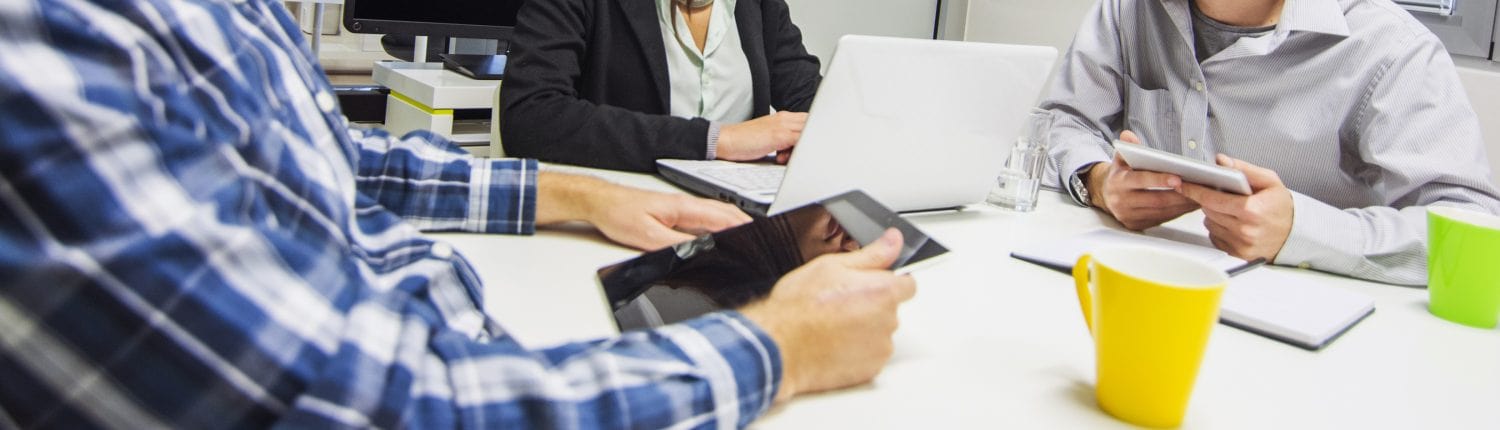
(1078, 185)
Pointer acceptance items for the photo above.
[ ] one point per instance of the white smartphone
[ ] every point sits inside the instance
(1141, 157)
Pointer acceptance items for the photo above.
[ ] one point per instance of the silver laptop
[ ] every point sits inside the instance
(917, 124)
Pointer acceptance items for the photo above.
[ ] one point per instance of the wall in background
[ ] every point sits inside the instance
(952, 19)
(1026, 22)
(1482, 82)
(824, 21)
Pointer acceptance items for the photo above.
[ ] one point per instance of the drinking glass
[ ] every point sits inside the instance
(1016, 187)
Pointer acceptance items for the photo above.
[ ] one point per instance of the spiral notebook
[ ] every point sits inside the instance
(1286, 306)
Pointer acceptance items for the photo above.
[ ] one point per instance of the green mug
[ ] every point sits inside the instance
(1463, 266)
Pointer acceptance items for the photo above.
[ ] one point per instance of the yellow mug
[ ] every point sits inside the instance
(1150, 313)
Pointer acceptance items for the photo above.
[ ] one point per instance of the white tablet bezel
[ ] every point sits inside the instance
(1141, 157)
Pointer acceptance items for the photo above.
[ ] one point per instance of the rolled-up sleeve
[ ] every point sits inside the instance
(717, 371)
(437, 186)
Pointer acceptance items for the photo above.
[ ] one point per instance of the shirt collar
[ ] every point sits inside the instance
(664, 11)
(1315, 16)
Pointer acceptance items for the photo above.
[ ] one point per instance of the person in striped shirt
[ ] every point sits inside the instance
(1346, 116)
(192, 235)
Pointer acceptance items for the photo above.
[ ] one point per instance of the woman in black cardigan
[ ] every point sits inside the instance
(587, 84)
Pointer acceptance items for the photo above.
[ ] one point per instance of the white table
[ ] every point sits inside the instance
(990, 341)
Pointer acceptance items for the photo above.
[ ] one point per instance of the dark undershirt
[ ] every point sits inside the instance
(1210, 36)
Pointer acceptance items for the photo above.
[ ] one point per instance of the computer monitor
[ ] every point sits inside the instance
(480, 19)
(477, 19)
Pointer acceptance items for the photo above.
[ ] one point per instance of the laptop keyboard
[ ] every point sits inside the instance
(749, 178)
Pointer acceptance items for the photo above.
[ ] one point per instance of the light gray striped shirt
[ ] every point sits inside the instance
(1353, 102)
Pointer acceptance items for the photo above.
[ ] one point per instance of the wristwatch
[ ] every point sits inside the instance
(1078, 185)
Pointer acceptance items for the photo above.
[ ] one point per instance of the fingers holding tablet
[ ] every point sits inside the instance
(1137, 198)
(1141, 157)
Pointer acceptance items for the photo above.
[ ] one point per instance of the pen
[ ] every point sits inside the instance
(1257, 262)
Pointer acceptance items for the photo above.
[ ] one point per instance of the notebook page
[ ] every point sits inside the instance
(1294, 308)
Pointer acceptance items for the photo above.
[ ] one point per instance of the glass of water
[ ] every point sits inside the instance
(1017, 186)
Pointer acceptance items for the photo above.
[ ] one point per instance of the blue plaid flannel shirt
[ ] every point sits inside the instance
(192, 235)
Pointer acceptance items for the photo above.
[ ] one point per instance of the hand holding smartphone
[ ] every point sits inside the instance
(1141, 157)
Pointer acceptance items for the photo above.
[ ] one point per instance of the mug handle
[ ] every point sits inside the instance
(1085, 297)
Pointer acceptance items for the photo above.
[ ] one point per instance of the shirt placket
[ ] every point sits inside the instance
(1194, 123)
(1195, 119)
(684, 36)
(713, 39)
(1193, 113)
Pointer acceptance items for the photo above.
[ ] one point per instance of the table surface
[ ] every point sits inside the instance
(991, 341)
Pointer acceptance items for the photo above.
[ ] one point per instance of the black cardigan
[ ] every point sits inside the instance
(586, 81)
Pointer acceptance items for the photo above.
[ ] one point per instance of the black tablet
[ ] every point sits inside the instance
(733, 267)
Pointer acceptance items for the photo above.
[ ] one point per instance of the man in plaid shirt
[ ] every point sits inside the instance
(192, 235)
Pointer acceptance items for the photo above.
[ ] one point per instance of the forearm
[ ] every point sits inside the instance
(1098, 172)
(563, 197)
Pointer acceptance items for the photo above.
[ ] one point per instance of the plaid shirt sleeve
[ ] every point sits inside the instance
(435, 185)
(190, 236)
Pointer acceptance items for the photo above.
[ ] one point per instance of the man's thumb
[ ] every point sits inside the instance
(877, 255)
(1258, 177)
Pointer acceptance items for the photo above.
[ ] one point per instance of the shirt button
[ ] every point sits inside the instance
(325, 101)
(442, 250)
(1304, 265)
(1198, 85)
(1192, 144)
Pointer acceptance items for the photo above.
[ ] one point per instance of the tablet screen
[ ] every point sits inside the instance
(733, 267)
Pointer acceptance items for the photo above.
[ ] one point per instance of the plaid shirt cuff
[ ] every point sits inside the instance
(502, 196)
(742, 362)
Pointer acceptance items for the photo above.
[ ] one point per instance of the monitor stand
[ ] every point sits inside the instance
(477, 66)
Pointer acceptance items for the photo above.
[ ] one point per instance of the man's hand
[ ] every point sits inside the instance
(1137, 198)
(633, 217)
(753, 139)
(1246, 226)
(833, 317)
